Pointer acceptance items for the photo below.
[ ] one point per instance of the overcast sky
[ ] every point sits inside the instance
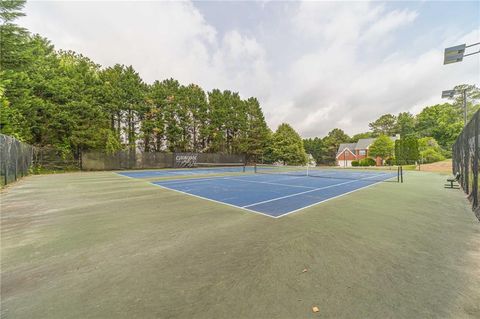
(315, 65)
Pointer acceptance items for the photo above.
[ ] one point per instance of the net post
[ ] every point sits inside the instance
(6, 167)
(5, 170)
(401, 174)
(255, 168)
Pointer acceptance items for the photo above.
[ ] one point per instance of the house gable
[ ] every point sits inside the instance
(348, 146)
(343, 152)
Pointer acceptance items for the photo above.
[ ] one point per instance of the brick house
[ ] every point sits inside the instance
(348, 152)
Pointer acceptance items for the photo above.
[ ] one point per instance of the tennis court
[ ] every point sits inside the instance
(274, 191)
(389, 251)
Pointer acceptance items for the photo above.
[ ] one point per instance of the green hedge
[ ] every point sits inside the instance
(390, 161)
(355, 163)
(367, 162)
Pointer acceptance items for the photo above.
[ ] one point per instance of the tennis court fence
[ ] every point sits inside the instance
(15, 159)
(18, 158)
(466, 161)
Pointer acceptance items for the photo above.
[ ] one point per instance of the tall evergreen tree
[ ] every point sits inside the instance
(218, 119)
(287, 146)
(405, 124)
(257, 131)
(317, 148)
(14, 40)
(384, 125)
(196, 101)
(332, 141)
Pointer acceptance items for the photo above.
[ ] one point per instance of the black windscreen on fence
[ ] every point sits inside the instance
(466, 158)
(145, 160)
(15, 159)
(97, 161)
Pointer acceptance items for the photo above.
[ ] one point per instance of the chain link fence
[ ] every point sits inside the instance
(15, 159)
(466, 158)
(50, 159)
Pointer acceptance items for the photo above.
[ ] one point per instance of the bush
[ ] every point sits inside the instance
(431, 155)
(367, 162)
(391, 161)
(355, 163)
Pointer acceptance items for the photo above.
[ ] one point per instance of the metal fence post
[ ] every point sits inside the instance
(476, 159)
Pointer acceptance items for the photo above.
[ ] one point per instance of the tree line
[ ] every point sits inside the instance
(64, 100)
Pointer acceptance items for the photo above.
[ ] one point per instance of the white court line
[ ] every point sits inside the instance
(326, 200)
(213, 200)
(186, 180)
(269, 183)
(312, 190)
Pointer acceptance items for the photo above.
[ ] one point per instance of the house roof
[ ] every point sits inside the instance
(362, 144)
(343, 146)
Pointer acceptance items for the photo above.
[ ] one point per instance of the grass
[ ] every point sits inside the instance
(98, 245)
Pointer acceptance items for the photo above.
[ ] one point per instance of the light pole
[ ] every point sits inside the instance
(453, 55)
(451, 93)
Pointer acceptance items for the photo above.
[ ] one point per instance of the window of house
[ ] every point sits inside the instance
(362, 152)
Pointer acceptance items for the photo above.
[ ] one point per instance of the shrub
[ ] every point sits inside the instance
(355, 163)
(383, 147)
(430, 155)
(407, 150)
(367, 162)
(371, 162)
(391, 161)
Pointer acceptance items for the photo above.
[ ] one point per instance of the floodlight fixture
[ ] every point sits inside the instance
(448, 94)
(457, 53)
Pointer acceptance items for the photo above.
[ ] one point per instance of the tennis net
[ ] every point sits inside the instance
(387, 174)
(223, 167)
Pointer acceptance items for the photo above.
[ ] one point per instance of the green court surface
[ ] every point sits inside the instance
(99, 245)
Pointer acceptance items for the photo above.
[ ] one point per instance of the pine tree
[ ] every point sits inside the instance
(287, 146)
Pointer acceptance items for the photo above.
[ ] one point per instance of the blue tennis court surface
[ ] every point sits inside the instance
(271, 195)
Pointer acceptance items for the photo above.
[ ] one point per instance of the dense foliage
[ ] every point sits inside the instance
(286, 147)
(429, 150)
(382, 147)
(406, 150)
